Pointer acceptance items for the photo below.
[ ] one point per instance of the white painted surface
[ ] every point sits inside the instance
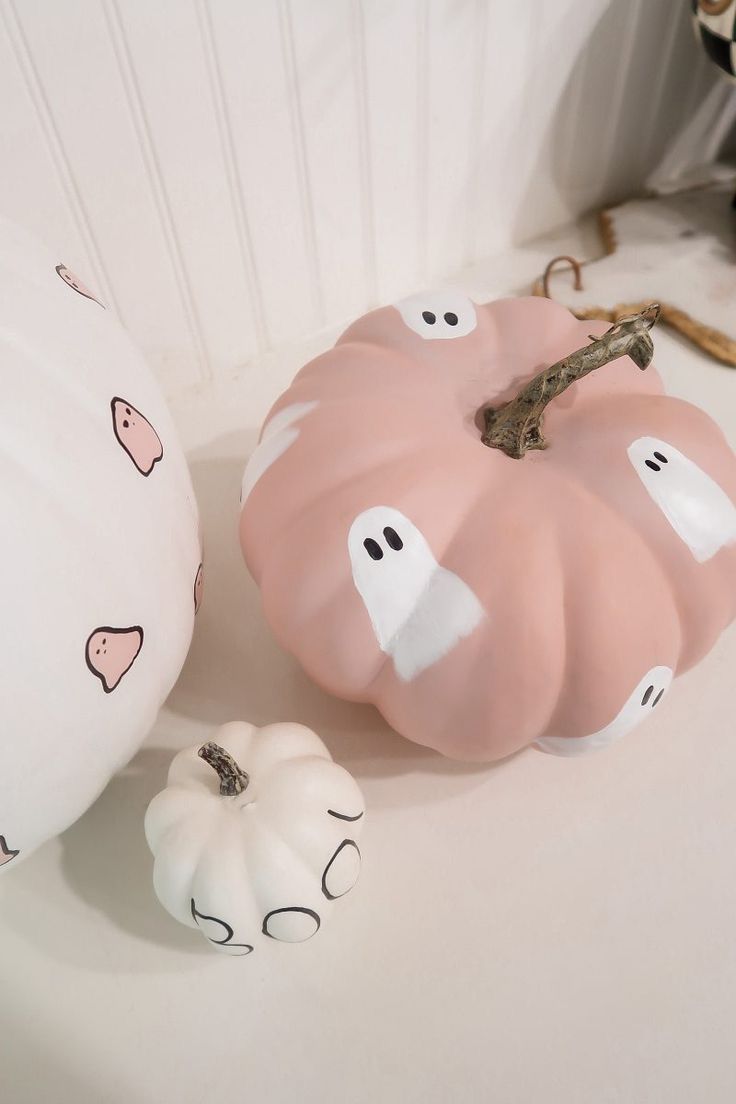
(231, 175)
(544, 931)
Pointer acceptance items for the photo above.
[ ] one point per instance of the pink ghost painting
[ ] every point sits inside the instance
(6, 853)
(110, 653)
(137, 436)
(198, 586)
(74, 282)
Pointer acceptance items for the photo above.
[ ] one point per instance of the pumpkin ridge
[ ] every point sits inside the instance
(353, 381)
(274, 570)
(474, 661)
(315, 495)
(294, 766)
(286, 848)
(180, 839)
(569, 569)
(203, 813)
(655, 539)
(352, 483)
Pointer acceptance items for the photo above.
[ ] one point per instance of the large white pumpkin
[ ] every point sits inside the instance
(100, 547)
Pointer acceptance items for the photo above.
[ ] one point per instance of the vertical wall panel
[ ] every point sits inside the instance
(323, 37)
(189, 145)
(450, 141)
(234, 174)
(96, 127)
(260, 97)
(503, 132)
(36, 174)
(392, 43)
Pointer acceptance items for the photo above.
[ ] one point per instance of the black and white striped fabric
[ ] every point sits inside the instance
(715, 23)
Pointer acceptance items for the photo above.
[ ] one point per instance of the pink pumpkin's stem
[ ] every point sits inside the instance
(516, 427)
(233, 780)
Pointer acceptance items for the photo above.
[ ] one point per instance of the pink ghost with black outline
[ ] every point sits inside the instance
(76, 284)
(110, 653)
(136, 435)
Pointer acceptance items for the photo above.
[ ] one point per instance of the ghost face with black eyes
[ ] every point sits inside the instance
(644, 698)
(255, 837)
(439, 315)
(698, 510)
(419, 611)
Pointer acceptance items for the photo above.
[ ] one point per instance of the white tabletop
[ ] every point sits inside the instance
(541, 931)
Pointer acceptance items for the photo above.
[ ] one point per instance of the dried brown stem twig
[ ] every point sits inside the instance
(516, 427)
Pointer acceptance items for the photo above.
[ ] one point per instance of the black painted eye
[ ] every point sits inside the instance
(126, 423)
(652, 465)
(663, 459)
(659, 695)
(127, 410)
(647, 695)
(429, 318)
(373, 548)
(393, 540)
(451, 318)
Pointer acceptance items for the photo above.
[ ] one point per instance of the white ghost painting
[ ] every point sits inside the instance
(439, 315)
(647, 694)
(278, 435)
(699, 511)
(418, 609)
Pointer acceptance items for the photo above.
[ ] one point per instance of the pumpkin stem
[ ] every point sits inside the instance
(233, 780)
(516, 427)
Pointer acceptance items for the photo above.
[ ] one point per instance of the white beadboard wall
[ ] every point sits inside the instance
(235, 174)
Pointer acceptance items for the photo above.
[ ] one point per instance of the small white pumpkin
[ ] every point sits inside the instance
(255, 835)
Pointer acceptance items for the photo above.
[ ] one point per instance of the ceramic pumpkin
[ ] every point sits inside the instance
(715, 25)
(100, 547)
(486, 601)
(255, 836)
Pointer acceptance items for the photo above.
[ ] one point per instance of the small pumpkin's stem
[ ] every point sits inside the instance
(516, 427)
(233, 780)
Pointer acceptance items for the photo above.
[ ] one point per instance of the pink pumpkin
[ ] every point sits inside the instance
(482, 602)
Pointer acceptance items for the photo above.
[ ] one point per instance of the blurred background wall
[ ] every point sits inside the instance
(234, 174)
